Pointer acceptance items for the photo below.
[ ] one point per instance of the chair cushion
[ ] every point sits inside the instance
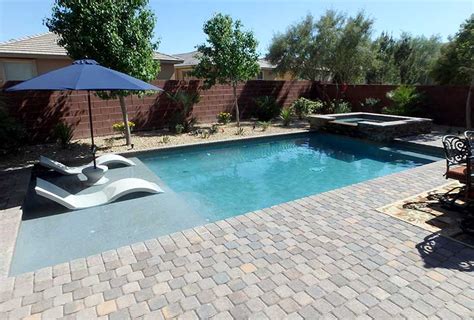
(457, 173)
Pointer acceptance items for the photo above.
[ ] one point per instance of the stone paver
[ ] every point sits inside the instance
(326, 256)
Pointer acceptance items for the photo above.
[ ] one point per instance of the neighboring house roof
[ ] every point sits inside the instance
(191, 59)
(46, 44)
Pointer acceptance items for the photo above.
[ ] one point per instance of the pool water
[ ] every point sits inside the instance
(227, 180)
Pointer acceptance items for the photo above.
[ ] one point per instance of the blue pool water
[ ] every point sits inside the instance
(201, 184)
(228, 180)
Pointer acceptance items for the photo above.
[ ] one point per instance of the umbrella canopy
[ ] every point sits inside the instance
(85, 75)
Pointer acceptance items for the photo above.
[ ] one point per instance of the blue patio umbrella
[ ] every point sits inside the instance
(86, 75)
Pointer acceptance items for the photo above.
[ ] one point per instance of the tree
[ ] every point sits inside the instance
(382, 68)
(229, 56)
(116, 33)
(414, 57)
(335, 46)
(456, 62)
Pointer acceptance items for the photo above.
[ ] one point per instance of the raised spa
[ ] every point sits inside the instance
(372, 126)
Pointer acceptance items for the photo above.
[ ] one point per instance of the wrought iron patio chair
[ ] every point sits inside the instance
(459, 163)
(469, 135)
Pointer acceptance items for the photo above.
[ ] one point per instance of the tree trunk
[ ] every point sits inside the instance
(236, 104)
(123, 106)
(468, 106)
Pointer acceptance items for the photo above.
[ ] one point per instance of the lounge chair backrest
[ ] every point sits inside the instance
(456, 150)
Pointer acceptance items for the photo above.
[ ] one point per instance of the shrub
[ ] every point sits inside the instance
(264, 125)
(12, 134)
(214, 129)
(286, 115)
(224, 117)
(120, 127)
(266, 108)
(338, 106)
(184, 102)
(63, 133)
(239, 132)
(302, 107)
(405, 101)
(370, 104)
(179, 128)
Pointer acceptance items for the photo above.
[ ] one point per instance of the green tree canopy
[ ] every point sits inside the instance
(229, 56)
(116, 33)
(335, 45)
(456, 62)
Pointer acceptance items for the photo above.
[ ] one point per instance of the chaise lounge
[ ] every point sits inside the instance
(108, 194)
(102, 160)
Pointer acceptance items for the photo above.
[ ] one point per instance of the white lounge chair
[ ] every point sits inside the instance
(102, 160)
(109, 194)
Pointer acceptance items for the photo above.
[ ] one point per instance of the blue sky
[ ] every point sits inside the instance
(179, 24)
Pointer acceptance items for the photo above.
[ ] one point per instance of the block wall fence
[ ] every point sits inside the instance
(40, 111)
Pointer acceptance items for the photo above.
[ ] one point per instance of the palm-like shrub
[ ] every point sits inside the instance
(12, 134)
(64, 133)
(286, 115)
(405, 101)
(184, 102)
(266, 108)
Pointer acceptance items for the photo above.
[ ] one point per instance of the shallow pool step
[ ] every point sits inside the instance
(412, 154)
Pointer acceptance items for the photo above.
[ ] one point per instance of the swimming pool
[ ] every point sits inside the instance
(202, 184)
(227, 180)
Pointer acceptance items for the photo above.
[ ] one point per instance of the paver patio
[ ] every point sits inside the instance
(327, 256)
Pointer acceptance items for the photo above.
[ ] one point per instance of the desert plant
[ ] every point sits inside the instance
(184, 102)
(120, 127)
(179, 128)
(369, 104)
(286, 115)
(165, 139)
(64, 133)
(302, 107)
(264, 125)
(13, 135)
(405, 101)
(214, 129)
(266, 108)
(224, 117)
(240, 131)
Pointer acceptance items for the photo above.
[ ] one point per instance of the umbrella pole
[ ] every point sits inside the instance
(91, 127)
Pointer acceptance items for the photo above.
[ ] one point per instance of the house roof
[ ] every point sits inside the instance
(191, 59)
(46, 44)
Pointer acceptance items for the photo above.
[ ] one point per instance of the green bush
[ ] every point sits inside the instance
(338, 106)
(224, 117)
(303, 107)
(286, 115)
(370, 104)
(12, 134)
(405, 101)
(266, 108)
(64, 133)
(120, 127)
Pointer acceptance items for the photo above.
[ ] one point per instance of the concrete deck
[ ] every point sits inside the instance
(328, 256)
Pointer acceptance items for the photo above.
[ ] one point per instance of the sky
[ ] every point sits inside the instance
(179, 22)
